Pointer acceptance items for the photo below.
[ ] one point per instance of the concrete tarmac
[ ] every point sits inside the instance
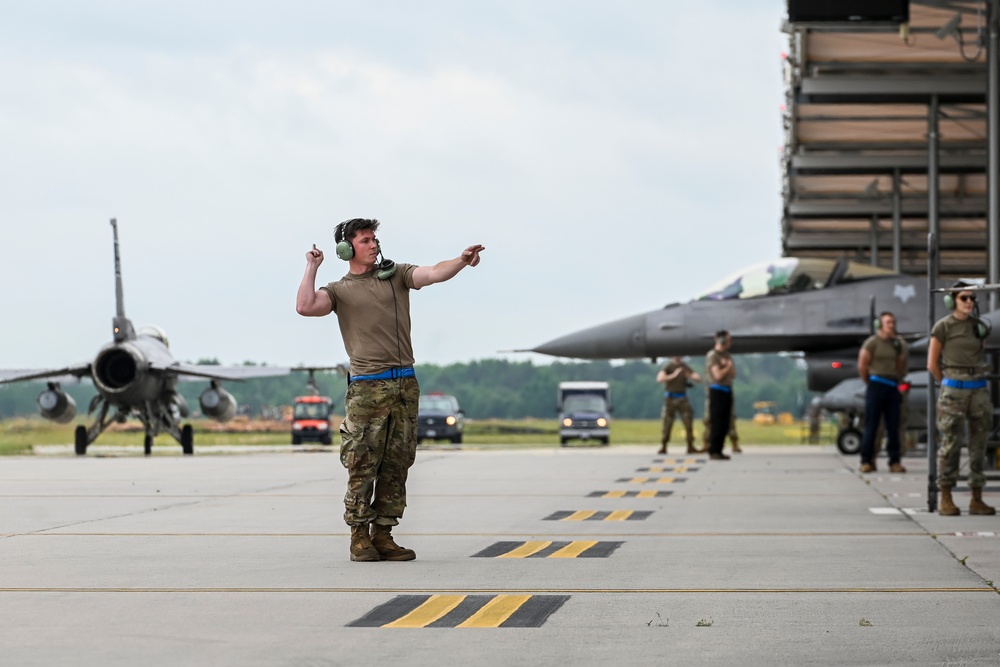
(581, 555)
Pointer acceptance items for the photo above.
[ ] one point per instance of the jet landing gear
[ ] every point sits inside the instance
(187, 440)
(80, 440)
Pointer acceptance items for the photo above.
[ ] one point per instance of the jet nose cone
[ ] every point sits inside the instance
(621, 339)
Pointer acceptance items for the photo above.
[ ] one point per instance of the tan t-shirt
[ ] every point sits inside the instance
(374, 318)
(884, 356)
(961, 351)
(679, 384)
(714, 358)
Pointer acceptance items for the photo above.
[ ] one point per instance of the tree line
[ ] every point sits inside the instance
(492, 388)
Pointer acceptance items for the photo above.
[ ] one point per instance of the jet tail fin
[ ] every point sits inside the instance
(122, 326)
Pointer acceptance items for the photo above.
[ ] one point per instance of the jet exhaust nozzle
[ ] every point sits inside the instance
(116, 369)
(56, 405)
(217, 403)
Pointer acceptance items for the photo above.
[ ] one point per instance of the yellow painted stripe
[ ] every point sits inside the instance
(619, 515)
(573, 549)
(495, 612)
(656, 469)
(646, 494)
(430, 611)
(665, 480)
(638, 480)
(526, 550)
(615, 494)
(580, 515)
(680, 469)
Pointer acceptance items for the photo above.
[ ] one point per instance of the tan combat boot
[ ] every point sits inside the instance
(361, 545)
(947, 507)
(663, 448)
(736, 447)
(692, 449)
(977, 506)
(386, 546)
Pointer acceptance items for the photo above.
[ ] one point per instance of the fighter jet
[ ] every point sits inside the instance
(821, 308)
(136, 376)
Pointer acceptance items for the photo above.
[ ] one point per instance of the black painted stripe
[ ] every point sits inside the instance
(394, 609)
(557, 516)
(639, 515)
(534, 612)
(498, 549)
(549, 550)
(466, 608)
(601, 550)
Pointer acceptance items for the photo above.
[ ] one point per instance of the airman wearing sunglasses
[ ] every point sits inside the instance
(956, 359)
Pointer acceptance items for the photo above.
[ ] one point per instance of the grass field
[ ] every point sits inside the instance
(18, 435)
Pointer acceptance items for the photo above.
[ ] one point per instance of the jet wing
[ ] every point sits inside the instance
(54, 374)
(238, 373)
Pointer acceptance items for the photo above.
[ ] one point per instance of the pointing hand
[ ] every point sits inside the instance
(471, 254)
(314, 256)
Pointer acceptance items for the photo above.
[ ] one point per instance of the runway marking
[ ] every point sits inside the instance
(970, 534)
(898, 510)
(629, 494)
(531, 591)
(574, 549)
(649, 480)
(687, 461)
(462, 611)
(593, 515)
(668, 469)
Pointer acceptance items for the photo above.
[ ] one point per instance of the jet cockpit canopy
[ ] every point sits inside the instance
(787, 275)
(154, 331)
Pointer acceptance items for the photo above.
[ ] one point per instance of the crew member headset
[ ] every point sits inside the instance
(982, 328)
(386, 269)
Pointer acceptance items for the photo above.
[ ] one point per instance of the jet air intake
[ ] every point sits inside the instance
(57, 405)
(217, 403)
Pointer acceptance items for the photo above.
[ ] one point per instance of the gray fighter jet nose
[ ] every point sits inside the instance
(616, 340)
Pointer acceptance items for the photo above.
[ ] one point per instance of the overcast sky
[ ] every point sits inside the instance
(612, 158)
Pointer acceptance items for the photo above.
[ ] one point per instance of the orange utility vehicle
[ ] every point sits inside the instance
(311, 420)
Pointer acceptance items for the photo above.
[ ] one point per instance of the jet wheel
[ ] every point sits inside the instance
(147, 445)
(187, 440)
(849, 441)
(80, 440)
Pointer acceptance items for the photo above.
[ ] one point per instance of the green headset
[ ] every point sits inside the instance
(345, 251)
(982, 329)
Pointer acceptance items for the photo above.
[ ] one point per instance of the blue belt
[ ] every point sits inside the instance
(670, 394)
(963, 384)
(882, 380)
(390, 374)
(721, 387)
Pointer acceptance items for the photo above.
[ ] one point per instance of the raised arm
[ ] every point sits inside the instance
(310, 301)
(448, 269)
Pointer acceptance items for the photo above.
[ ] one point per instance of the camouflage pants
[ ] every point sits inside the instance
(378, 444)
(672, 406)
(958, 410)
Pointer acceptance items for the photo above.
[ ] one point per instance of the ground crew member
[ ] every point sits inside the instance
(955, 357)
(881, 366)
(721, 372)
(379, 433)
(676, 376)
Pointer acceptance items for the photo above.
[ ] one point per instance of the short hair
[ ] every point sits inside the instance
(347, 230)
(720, 333)
(886, 312)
